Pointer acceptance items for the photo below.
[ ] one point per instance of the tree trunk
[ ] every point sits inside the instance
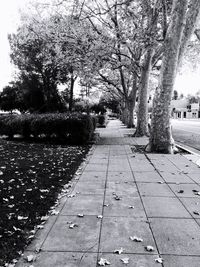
(131, 107)
(142, 114)
(161, 137)
(71, 98)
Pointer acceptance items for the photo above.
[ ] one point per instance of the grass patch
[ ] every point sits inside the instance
(31, 177)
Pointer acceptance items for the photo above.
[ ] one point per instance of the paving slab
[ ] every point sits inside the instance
(96, 167)
(90, 187)
(155, 189)
(185, 190)
(135, 260)
(82, 238)
(164, 207)
(61, 259)
(120, 176)
(176, 177)
(116, 232)
(93, 176)
(181, 261)
(195, 177)
(83, 204)
(42, 234)
(192, 205)
(119, 167)
(176, 236)
(147, 177)
(122, 188)
(127, 207)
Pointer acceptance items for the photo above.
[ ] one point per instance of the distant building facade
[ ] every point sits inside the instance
(182, 109)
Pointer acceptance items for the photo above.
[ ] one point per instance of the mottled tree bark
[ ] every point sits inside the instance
(142, 114)
(161, 137)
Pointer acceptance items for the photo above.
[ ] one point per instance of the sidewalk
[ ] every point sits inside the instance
(122, 194)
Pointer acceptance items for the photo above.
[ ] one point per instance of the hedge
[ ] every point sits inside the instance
(75, 127)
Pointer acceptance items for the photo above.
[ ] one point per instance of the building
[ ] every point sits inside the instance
(182, 109)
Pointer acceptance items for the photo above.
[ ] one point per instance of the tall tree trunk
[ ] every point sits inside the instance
(71, 98)
(142, 114)
(161, 137)
(131, 104)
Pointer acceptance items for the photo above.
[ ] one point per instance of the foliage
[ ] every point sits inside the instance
(10, 99)
(75, 128)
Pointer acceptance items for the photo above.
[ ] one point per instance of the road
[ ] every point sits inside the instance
(187, 132)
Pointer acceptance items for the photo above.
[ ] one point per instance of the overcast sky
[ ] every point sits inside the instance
(10, 18)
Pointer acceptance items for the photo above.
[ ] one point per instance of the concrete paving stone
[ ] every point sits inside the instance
(176, 177)
(86, 204)
(195, 177)
(165, 167)
(120, 176)
(181, 261)
(193, 205)
(96, 167)
(122, 207)
(41, 235)
(176, 236)
(89, 187)
(82, 238)
(61, 259)
(135, 260)
(122, 188)
(147, 177)
(118, 167)
(93, 176)
(98, 161)
(142, 167)
(187, 190)
(154, 189)
(116, 232)
(165, 207)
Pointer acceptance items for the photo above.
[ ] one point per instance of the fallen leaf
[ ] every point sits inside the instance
(103, 262)
(100, 217)
(80, 215)
(73, 225)
(149, 248)
(180, 191)
(117, 198)
(161, 182)
(30, 258)
(125, 260)
(136, 239)
(131, 207)
(196, 212)
(118, 251)
(159, 260)
(54, 212)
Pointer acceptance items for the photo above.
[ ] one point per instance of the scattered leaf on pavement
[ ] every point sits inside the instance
(125, 260)
(136, 239)
(118, 251)
(103, 262)
(149, 248)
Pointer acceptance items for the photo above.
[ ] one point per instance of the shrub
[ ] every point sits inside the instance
(102, 121)
(75, 127)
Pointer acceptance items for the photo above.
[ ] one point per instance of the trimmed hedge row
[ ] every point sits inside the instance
(75, 127)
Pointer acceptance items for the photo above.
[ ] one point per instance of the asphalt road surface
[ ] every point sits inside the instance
(187, 132)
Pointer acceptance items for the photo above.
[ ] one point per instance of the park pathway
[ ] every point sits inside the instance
(145, 207)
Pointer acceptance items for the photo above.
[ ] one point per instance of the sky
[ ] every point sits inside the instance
(189, 83)
(9, 19)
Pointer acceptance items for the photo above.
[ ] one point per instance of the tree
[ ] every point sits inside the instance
(10, 98)
(175, 42)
